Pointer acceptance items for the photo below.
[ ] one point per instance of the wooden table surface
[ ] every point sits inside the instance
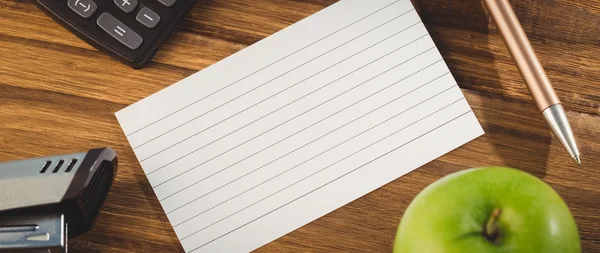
(58, 95)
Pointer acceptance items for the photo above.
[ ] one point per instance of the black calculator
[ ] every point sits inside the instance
(129, 30)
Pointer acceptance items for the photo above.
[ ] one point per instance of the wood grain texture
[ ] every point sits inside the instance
(58, 95)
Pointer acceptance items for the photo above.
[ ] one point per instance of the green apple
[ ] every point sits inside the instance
(487, 210)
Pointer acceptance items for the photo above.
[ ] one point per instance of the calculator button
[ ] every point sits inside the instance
(119, 31)
(167, 3)
(147, 17)
(84, 8)
(127, 5)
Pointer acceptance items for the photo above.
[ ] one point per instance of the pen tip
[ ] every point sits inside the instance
(577, 160)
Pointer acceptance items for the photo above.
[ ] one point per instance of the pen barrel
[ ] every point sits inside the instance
(522, 52)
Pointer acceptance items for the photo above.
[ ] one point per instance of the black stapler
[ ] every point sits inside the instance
(44, 201)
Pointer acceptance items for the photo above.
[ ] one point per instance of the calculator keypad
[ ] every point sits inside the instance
(130, 30)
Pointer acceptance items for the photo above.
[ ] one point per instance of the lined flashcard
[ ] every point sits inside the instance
(298, 125)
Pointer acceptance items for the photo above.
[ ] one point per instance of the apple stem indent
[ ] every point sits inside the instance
(490, 231)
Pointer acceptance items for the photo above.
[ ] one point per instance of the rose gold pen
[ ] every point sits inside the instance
(533, 73)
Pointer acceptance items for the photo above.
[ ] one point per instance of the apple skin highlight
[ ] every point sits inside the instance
(492, 209)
